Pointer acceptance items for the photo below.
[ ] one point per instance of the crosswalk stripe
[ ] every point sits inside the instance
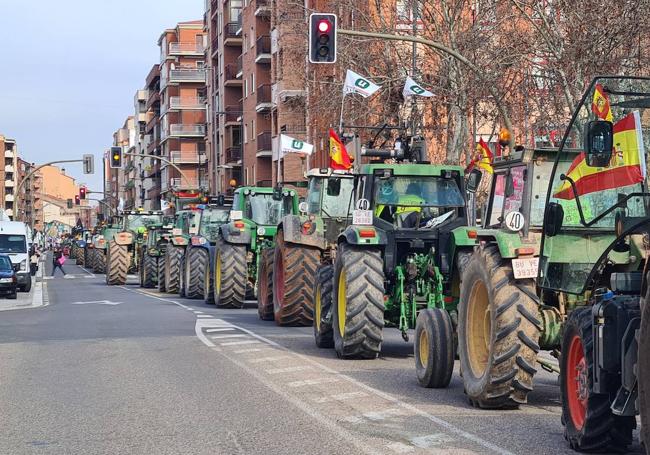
(287, 370)
(235, 343)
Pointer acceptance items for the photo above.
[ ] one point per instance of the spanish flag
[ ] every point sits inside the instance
(482, 158)
(339, 158)
(627, 166)
(600, 104)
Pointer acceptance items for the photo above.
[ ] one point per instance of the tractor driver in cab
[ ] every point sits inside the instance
(406, 207)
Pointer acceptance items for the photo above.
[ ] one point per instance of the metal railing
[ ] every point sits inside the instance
(233, 154)
(178, 182)
(187, 157)
(263, 45)
(264, 93)
(230, 72)
(181, 102)
(294, 128)
(186, 48)
(184, 129)
(187, 75)
(231, 29)
(264, 142)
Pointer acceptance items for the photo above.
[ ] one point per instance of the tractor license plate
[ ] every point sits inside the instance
(525, 268)
(362, 217)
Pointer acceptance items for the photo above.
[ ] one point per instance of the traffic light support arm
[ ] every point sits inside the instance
(164, 160)
(446, 50)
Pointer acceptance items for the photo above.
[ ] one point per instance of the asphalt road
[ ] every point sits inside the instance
(121, 370)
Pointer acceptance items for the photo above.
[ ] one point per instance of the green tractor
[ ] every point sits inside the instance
(398, 264)
(255, 214)
(288, 272)
(185, 224)
(101, 241)
(151, 267)
(125, 248)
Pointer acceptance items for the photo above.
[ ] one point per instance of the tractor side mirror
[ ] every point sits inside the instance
(553, 219)
(473, 180)
(599, 143)
(510, 186)
(334, 187)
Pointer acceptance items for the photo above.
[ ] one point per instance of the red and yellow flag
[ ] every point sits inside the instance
(339, 157)
(600, 104)
(482, 158)
(627, 166)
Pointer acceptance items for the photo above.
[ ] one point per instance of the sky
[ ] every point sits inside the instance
(70, 70)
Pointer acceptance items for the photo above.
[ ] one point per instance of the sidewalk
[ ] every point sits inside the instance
(32, 299)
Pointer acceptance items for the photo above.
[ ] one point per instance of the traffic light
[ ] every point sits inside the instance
(77, 201)
(322, 38)
(116, 157)
(89, 164)
(82, 192)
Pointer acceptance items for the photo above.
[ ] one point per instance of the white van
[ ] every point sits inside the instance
(15, 242)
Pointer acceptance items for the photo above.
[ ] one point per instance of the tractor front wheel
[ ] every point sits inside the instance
(173, 256)
(117, 264)
(100, 261)
(160, 274)
(589, 424)
(230, 275)
(323, 331)
(195, 266)
(358, 302)
(148, 271)
(498, 332)
(265, 285)
(208, 284)
(434, 348)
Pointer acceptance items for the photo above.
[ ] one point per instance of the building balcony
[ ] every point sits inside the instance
(141, 96)
(232, 155)
(214, 45)
(186, 130)
(262, 8)
(152, 146)
(230, 35)
(142, 118)
(230, 76)
(279, 93)
(263, 49)
(187, 75)
(9, 168)
(263, 102)
(187, 103)
(293, 128)
(264, 145)
(154, 98)
(232, 114)
(9, 154)
(179, 157)
(187, 183)
(9, 197)
(186, 49)
(10, 184)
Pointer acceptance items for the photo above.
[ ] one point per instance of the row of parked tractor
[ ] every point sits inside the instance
(399, 246)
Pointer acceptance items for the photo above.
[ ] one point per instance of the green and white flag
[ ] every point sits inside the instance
(355, 83)
(411, 88)
(291, 145)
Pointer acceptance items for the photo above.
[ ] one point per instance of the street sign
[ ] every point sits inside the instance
(89, 164)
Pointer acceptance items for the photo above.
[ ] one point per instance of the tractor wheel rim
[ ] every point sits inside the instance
(479, 325)
(217, 277)
(342, 303)
(317, 309)
(577, 383)
(424, 348)
(279, 272)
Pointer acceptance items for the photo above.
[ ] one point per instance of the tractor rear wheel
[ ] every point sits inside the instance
(208, 283)
(117, 264)
(498, 332)
(294, 275)
(89, 261)
(323, 331)
(100, 261)
(160, 274)
(358, 302)
(589, 424)
(434, 348)
(230, 275)
(197, 262)
(173, 256)
(265, 285)
(148, 271)
(81, 257)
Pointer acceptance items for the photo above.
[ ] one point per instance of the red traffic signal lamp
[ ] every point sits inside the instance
(82, 192)
(322, 38)
(115, 157)
(77, 201)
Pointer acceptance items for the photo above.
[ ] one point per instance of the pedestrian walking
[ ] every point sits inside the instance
(57, 261)
(33, 261)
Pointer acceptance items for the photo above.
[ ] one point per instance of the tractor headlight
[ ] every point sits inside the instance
(261, 231)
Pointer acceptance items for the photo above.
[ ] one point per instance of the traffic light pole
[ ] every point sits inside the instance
(164, 160)
(446, 50)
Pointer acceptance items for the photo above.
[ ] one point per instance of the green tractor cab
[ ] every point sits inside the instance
(398, 264)
(125, 248)
(288, 273)
(255, 214)
(151, 267)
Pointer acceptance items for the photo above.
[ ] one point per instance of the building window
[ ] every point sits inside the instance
(253, 83)
(252, 129)
(246, 133)
(245, 88)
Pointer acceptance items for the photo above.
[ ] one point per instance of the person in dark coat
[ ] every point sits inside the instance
(56, 257)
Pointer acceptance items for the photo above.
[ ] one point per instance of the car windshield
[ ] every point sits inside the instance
(211, 219)
(12, 243)
(263, 209)
(5, 264)
(331, 196)
(136, 221)
(590, 195)
(413, 191)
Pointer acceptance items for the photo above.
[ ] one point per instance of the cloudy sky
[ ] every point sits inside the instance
(70, 69)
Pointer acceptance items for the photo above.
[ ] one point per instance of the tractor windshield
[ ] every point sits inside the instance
(135, 222)
(211, 219)
(417, 191)
(592, 194)
(263, 209)
(330, 196)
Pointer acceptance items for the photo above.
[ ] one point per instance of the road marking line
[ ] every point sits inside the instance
(244, 351)
(431, 440)
(312, 382)
(287, 370)
(269, 359)
(235, 343)
(92, 275)
(203, 316)
(340, 397)
(398, 447)
(198, 312)
(219, 330)
(217, 337)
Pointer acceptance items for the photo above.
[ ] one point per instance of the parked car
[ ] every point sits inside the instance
(15, 243)
(8, 278)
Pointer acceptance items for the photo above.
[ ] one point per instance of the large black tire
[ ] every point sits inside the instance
(90, 258)
(294, 277)
(434, 348)
(230, 275)
(265, 285)
(74, 252)
(81, 257)
(498, 332)
(148, 269)
(173, 256)
(117, 264)
(589, 424)
(195, 265)
(100, 261)
(160, 275)
(643, 372)
(358, 309)
(323, 331)
(208, 284)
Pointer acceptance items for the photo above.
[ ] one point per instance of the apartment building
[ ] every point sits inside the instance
(183, 109)
(30, 201)
(8, 174)
(139, 149)
(56, 189)
(152, 136)
(120, 186)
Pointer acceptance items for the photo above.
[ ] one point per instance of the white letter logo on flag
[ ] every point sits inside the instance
(412, 88)
(355, 83)
(291, 145)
